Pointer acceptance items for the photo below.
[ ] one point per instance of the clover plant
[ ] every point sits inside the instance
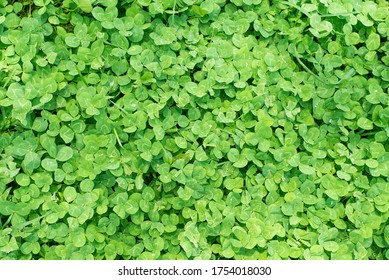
(191, 129)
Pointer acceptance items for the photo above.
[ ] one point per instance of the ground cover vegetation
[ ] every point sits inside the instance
(187, 129)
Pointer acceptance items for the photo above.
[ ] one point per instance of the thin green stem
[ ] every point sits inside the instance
(7, 221)
(120, 108)
(117, 137)
(294, 6)
(81, 76)
(32, 221)
(307, 69)
(3, 113)
(345, 77)
(174, 10)
(30, 8)
(339, 14)
(9, 78)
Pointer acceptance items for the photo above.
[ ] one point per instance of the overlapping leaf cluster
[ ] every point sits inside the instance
(188, 129)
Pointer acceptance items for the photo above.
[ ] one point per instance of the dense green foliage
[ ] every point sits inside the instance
(189, 129)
